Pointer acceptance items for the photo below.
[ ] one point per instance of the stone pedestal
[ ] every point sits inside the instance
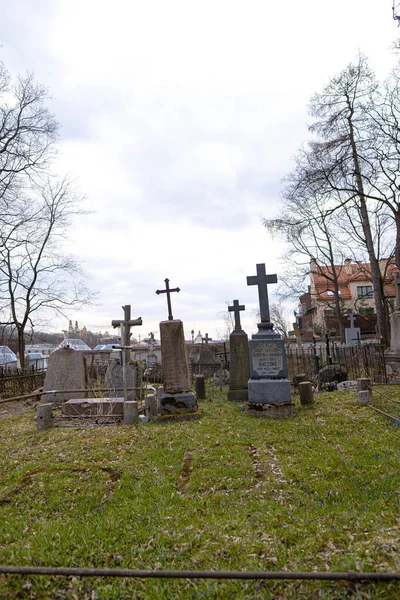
(177, 396)
(239, 366)
(268, 386)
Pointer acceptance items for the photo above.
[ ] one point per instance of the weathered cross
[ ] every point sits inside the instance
(352, 319)
(168, 292)
(125, 325)
(206, 339)
(261, 280)
(236, 308)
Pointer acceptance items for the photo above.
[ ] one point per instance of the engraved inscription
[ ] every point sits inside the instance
(267, 359)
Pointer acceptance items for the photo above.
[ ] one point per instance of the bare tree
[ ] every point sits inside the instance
(27, 131)
(34, 274)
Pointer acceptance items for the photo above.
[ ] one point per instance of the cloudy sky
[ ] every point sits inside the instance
(179, 119)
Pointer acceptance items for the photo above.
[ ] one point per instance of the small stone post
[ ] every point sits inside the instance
(131, 413)
(150, 406)
(44, 416)
(306, 393)
(364, 384)
(364, 397)
(200, 387)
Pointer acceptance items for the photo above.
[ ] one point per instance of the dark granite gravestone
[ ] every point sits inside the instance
(239, 359)
(66, 370)
(269, 388)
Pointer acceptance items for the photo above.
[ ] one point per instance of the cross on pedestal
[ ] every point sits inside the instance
(206, 339)
(168, 292)
(352, 320)
(236, 308)
(125, 324)
(261, 280)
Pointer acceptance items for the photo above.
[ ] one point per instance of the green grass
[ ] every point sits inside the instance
(319, 491)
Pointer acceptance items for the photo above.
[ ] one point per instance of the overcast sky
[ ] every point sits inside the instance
(179, 119)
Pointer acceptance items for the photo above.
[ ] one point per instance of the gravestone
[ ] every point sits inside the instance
(66, 370)
(353, 334)
(206, 355)
(115, 379)
(177, 397)
(239, 359)
(268, 386)
(151, 359)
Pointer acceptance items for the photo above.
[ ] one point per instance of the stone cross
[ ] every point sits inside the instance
(352, 319)
(125, 324)
(206, 339)
(168, 292)
(151, 345)
(261, 280)
(236, 308)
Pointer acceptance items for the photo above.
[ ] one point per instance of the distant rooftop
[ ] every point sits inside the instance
(75, 344)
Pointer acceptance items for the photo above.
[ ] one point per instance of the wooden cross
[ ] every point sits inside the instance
(236, 308)
(168, 292)
(261, 280)
(126, 323)
(206, 339)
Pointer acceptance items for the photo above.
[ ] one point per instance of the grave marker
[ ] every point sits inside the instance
(177, 397)
(268, 386)
(239, 360)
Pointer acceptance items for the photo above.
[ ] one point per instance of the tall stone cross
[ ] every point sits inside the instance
(168, 291)
(352, 319)
(126, 323)
(261, 280)
(206, 339)
(236, 308)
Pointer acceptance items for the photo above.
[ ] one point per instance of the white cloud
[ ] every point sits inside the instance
(179, 120)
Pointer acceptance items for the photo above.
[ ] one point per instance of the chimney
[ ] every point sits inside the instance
(348, 266)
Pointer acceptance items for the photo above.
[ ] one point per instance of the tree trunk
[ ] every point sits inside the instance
(21, 348)
(376, 276)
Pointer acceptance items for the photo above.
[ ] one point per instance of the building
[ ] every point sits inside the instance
(317, 312)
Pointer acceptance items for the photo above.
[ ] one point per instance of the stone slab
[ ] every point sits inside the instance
(353, 335)
(347, 385)
(183, 402)
(271, 411)
(93, 407)
(176, 377)
(269, 391)
(267, 358)
(238, 395)
(67, 370)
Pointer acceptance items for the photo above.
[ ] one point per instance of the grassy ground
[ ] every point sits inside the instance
(319, 491)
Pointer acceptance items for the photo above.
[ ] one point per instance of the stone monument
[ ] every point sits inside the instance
(353, 334)
(206, 355)
(268, 386)
(393, 354)
(239, 359)
(177, 397)
(67, 370)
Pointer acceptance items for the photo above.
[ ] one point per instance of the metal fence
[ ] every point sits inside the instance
(20, 384)
(367, 360)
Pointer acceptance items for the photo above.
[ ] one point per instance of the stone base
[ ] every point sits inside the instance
(269, 391)
(181, 402)
(238, 395)
(93, 407)
(177, 417)
(271, 411)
